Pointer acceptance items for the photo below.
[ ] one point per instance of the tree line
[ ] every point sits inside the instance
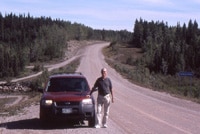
(25, 39)
(168, 49)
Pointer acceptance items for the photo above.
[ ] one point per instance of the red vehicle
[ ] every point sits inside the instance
(66, 97)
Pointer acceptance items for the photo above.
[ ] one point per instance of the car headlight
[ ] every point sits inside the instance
(47, 102)
(87, 101)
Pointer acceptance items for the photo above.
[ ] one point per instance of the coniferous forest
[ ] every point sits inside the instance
(25, 39)
(168, 49)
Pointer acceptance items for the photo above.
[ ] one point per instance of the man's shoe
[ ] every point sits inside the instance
(105, 126)
(97, 126)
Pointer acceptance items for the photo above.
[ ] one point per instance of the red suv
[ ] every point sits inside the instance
(67, 97)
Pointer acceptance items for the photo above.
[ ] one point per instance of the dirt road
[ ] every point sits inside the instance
(136, 110)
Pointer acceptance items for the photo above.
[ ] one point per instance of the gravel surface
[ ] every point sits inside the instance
(136, 110)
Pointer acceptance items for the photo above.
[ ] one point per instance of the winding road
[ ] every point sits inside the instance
(136, 110)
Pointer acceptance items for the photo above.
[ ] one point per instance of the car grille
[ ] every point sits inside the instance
(67, 103)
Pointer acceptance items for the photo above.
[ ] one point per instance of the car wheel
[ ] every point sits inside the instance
(44, 121)
(43, 117)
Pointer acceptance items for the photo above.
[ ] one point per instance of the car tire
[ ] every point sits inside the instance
(44, 121)
(43, 117)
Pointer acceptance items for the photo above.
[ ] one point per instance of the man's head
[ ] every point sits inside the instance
(104, 72)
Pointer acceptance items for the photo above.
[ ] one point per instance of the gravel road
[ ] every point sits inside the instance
(136, 110)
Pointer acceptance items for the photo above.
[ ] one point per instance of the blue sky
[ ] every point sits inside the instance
(107, 14)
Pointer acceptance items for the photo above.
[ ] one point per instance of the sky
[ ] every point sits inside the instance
(107, 14)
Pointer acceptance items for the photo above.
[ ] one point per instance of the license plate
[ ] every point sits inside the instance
(66, 110)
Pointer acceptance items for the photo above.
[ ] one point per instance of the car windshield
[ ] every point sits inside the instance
(67, 85)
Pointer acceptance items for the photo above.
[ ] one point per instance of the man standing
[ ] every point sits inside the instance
(104, 86)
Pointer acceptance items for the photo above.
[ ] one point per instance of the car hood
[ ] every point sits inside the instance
(65, 96)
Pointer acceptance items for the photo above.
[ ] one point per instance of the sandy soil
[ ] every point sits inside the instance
(136, 110)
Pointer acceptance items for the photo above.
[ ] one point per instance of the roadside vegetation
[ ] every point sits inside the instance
(157, 54)
(183, 87)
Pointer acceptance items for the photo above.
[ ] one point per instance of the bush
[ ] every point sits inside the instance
(40, 81)
(37, 67)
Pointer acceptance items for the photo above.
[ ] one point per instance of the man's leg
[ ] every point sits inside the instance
(106, 110)
(99, 109)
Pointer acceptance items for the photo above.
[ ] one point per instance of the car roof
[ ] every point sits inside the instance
(73, 74)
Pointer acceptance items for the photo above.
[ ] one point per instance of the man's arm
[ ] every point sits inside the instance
(93, 90)
(94, 87)
(112, 95)
(111, 91)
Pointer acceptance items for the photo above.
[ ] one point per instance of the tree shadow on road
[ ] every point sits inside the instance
(35, 124)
